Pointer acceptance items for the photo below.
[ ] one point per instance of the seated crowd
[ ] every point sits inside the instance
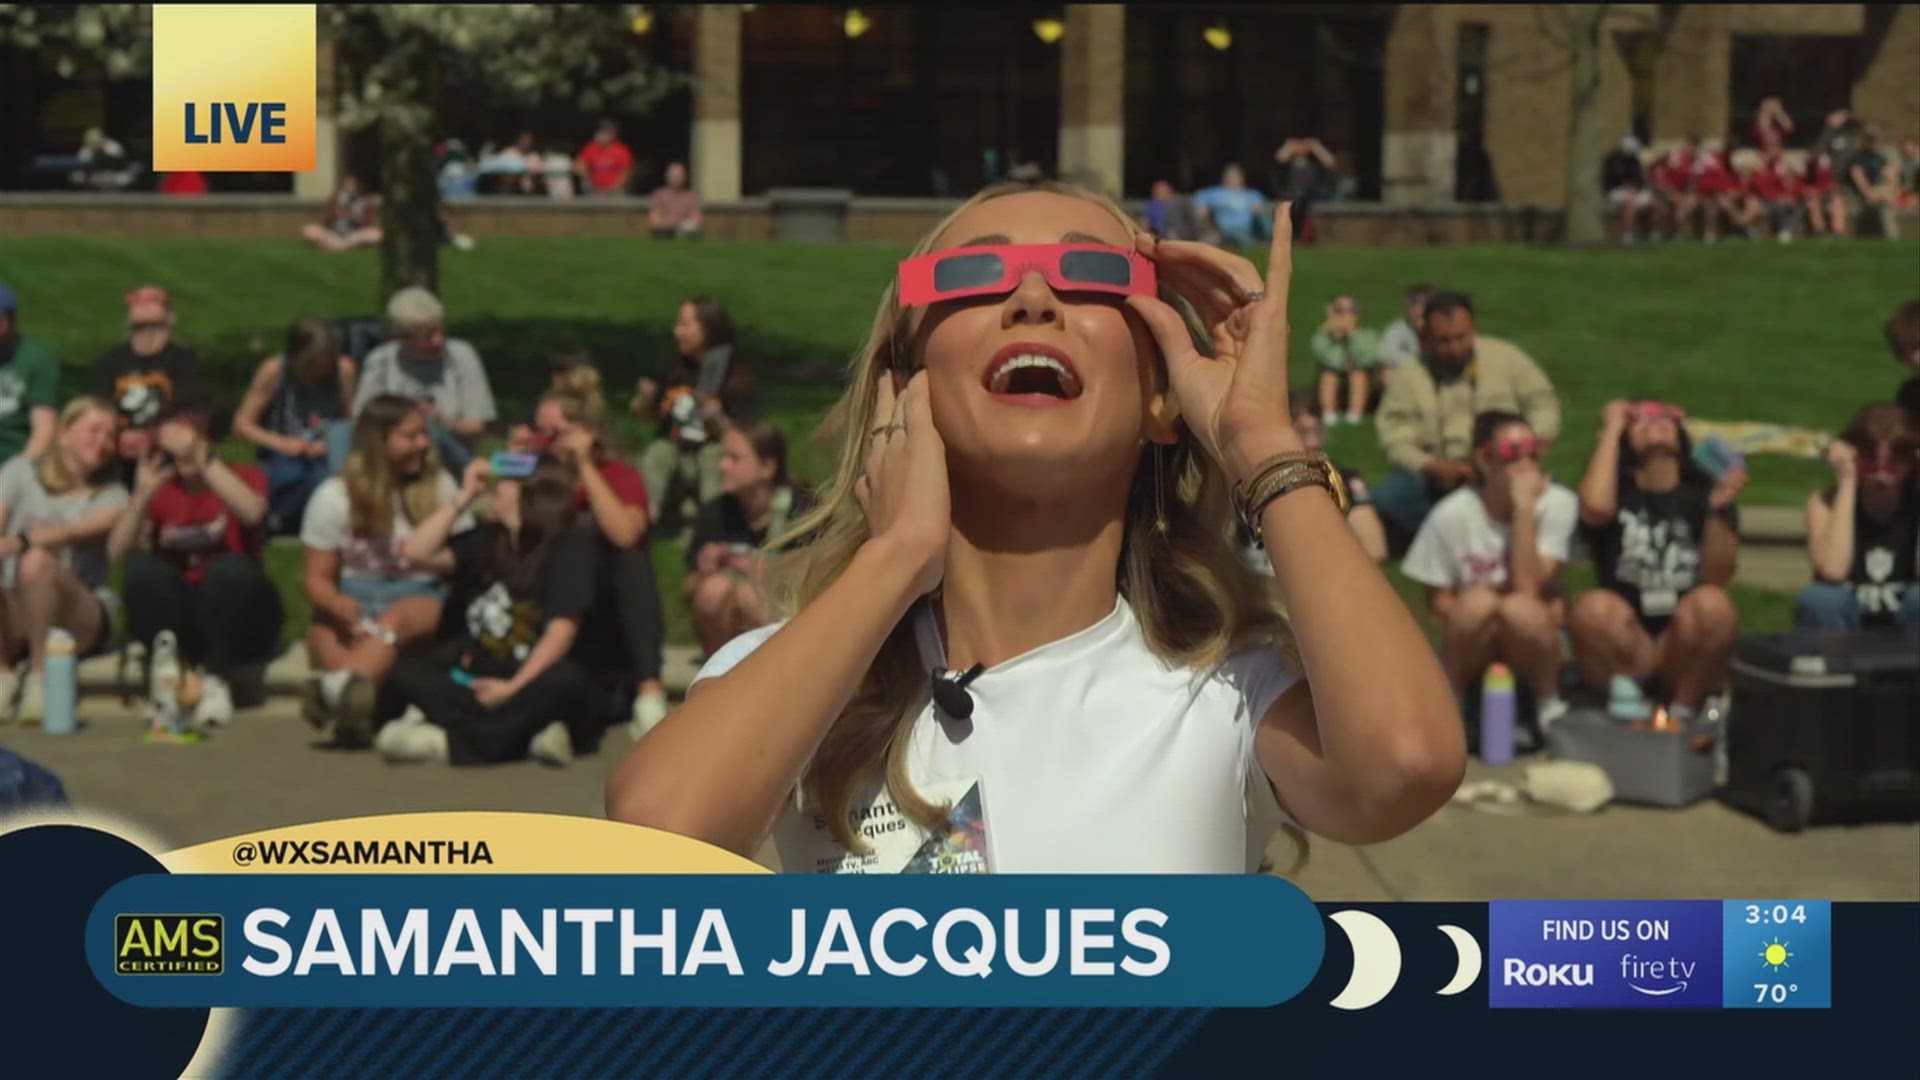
(472, 608)
(464, 606)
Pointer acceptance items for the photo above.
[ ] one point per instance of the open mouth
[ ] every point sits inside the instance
(1033, 373)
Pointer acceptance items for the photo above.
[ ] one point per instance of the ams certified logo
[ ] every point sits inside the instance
(169, 944)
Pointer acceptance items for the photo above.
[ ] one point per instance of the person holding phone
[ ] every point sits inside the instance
(703, 389)
(724, 584)
(370, 600)
(1665, 539)
(191, 538)
(509, 683)
(293, 399)
(1038, 456)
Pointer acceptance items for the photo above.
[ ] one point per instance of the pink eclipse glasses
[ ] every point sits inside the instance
(1658, 410)
(1517, 447)
(959, 273)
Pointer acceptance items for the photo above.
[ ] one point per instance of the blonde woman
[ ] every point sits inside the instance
(370, 600)
(55, 512)
(1038, 465)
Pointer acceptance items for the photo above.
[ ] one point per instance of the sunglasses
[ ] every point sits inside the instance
(992, 271)
(142, 326)
(1658, 410)
(1525, 446)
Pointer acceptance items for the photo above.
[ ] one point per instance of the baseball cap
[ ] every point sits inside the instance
(9, 303)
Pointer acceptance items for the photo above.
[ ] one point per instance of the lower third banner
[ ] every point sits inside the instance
(720, 940)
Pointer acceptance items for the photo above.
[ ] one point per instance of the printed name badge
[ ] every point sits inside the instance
(1658, 602)
(899, 846)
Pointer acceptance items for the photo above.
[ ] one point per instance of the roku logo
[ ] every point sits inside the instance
(271, 117)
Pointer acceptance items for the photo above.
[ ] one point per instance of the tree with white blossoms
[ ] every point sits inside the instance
(394, 64)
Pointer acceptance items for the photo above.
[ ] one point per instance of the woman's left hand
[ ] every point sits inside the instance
(492, 693)
(1235, 401)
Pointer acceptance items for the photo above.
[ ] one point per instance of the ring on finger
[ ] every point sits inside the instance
(1254, 296)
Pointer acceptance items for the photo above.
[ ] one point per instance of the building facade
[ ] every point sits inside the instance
(1422, 104)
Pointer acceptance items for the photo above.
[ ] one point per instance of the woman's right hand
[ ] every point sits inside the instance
(150, 475)
(474, 483)
(1841, 457)
(349, 613)
(904, 489)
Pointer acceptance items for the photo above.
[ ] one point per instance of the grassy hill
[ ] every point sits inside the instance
(1735, 331)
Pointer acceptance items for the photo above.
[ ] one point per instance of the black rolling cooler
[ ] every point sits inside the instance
(1825, 719)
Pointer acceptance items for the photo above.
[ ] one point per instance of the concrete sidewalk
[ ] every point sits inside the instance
(266, 772)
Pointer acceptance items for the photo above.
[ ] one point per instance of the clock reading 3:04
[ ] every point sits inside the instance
(1777, 954)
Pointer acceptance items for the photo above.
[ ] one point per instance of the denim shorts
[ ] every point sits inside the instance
(376, 595)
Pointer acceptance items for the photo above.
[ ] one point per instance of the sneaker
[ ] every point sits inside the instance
(315, 709)
(649, 708)
(216, 703)
(1550, 711)
(353, 718)
(9, 696)
(553, 746)
(411, 740)
(33, 700)
(1356, 419)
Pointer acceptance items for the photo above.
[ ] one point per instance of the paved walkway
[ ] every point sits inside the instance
(265, 772)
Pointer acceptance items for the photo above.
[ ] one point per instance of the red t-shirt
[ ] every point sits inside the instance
(1713, 175)
(1819, 177)
(1674, 170)
(623, 478)
(605, 163)
(1773, 181)
(192, 526)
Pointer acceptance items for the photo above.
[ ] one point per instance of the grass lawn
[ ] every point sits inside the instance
(1737, 331)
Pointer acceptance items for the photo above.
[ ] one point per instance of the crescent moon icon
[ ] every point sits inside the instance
(1376, 960)
(1469, 969)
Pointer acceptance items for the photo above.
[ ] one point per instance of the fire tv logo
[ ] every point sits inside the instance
(234, 87)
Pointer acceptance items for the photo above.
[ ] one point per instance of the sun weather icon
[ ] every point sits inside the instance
(1775, 955)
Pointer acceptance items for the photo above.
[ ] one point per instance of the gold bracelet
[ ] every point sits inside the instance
(1259, 472)
(1285, 479)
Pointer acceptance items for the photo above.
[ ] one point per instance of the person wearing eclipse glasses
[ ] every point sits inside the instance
(1042, 445)
(1490, 556)
(1863, 531)
(1665, 537)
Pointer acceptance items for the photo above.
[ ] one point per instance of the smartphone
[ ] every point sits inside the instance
(713, 372)
(511, 465)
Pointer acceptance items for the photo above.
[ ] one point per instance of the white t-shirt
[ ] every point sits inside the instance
(328, 526)
(1087, 755)
(1460, 546)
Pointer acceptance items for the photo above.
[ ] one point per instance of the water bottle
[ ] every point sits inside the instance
(61, 684)
(1498, 704)
(165, 716)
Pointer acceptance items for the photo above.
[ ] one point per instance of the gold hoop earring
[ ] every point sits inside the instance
(1159, 501)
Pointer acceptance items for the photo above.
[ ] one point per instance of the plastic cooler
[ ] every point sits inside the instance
(1645, 765)
(1825, 720)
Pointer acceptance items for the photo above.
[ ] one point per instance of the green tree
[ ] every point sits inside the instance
(397, 62)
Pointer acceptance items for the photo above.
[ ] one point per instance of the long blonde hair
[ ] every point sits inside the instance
(371, 484)
(50, 468)
(1194, 595)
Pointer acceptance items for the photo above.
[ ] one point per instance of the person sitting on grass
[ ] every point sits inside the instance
(611, 497)
(1863, 532)
(350, 220)
(1360, 513)
(1490, 555)
(757, 498)
(285, 414)
(146, 373)
(682, 461)
(509, 682)
(369, 599)
(444, 374)
(1665, 538)
(191, 538)
(1347, 352)
(55, 512)
(1902, 331)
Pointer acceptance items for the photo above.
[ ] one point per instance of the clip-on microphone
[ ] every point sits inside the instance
(950, 690)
